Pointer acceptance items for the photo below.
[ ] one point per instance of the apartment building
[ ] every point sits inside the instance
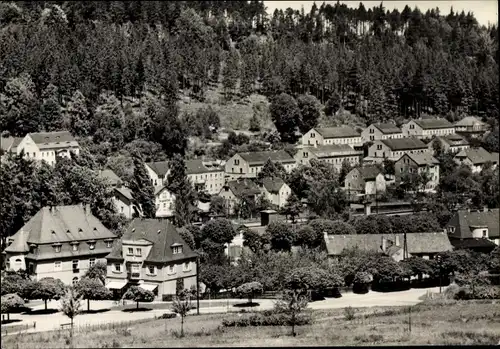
(476, 158)
(454, 143)
(153, 256)
(332, 135)
(157, 172)
(427, 128)
(248, 165)
(276, 191)
(234, 191)
(366, 180)
(419, 164)
(393, 149)
(205, 176)
(61, 242)
(334, 154)
(471, 126)
(378, 131)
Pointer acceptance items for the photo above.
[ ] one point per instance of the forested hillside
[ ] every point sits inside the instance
(116, 70)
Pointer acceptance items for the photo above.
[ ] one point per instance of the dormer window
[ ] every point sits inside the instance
(138, 252)
(176, 248)
(130, 251)
(33, 249)
(57, 248)
(91, 245)
(74, 246)
(109, 243)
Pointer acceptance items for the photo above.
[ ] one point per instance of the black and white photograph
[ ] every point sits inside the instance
(249, 173)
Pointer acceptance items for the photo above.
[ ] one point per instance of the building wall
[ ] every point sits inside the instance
(412, 129)
(156, 181)
(123, 208)
(438, 132)
(379, 150)
(352, 141)
(410, 166)
(353, 181)
(65, 273)
(303, 156)
(371, 134)
(479, 232)
(312, 137)
(16, 262)
(237, 167)
(377, 186)
(279, 199)
(165, 203)
(48, 155)
(212, 182)
(229, 198)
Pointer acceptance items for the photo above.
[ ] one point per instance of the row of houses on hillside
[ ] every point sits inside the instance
(63, 242)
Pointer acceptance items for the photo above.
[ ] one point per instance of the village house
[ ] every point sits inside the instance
(123, 200)
(378, 131)
(275, 190)
(334, 154)
(205, 176)
(8, 145)
(234, 191)
(422, 163)
(151, 254)
(157, 172)
(46, 146)
(471, 126)
(476, 230)
(332, 135)
(249, 165)
(165, 202)
(476, 158)
(453, 143)
(367, 180)
(426, 128)
(423, 245)
(393, 149)
(110, 177)
(61, 242)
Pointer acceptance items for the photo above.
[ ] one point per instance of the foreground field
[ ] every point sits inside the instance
(452, 324)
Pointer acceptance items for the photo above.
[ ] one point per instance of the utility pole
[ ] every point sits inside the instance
(439, 260)
(197, 285)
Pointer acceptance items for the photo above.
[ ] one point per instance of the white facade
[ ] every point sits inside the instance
(314, 138)
(372, 133)
(411, 128)
(165, 203)
(45, 153)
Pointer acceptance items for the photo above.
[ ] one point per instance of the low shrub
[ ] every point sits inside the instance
(371, 338)
(480, 292)
(167, 316)
(259, 319)
(349, 313)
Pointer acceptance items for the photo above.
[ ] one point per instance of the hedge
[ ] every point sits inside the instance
(261, 319)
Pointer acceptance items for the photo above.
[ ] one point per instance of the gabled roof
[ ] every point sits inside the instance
(243, 187)
(469, 121)
(110, 176)
(332, 150)
(197, 166)
(260, 157)
(57, 139)
(404, 143)
(416, 242)
(431, 124)
(454, 140)
(338, 132)
(125, 192)
(61, 224)
(161, 233)
(159, 167)
(387, 128)
(477, 156)
(273, 185)
(368, 172)
(10, 143)
(465, 221)
(422, 159)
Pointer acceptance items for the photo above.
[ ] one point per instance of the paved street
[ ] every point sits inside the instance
(53, 321)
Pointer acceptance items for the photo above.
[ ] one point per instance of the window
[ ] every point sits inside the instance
(152, 270)
(372, 138)
(91, 262)
(305, 154)
(121, 209)
(485, 233)
(186, 266)
(75, 280)
(74, 247)
(236, 161)
(109, 243)
(91, 245)
(138, 252)
(379, 146)
(241, 170)
(118, 267)
(17, 263)
(313, 135)
(412, 126)
(31, 268)
(57, 248)
(372, 130)
(57, 266)
(130, 251)
(75, 266)
(177, 249)
(171, 269)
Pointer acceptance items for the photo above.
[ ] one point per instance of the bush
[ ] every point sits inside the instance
(349, 313)
(267, 319)
(168, 316)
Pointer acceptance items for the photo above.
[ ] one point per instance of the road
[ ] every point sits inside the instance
(53, 321)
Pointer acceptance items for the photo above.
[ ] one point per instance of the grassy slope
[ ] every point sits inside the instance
(460, 323)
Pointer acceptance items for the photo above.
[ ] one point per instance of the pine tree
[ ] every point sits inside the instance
(142, 190)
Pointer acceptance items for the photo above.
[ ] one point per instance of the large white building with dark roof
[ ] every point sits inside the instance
(377, 131)
(60, 242)
(249, 164)
(332, 135)
(427, 128)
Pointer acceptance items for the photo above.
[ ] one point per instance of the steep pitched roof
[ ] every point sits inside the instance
(404, 143)
(125, 192)
(110, 176)
(18, 244)
(243, 187)
(338, 132)
(464, 220)
(331, 150)
(10, 143)
(62, 224)
(260, 157)
(469, 121)
(416, 242)
(57, 139)
(431, 124)
(159, 167)
(477, 156)
(387, 128)
(272, 185)
(161, 233)
(368, 172)
(422, 159)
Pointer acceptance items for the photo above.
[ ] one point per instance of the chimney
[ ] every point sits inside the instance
(384, 244)
(397, 240)
(87, 209)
